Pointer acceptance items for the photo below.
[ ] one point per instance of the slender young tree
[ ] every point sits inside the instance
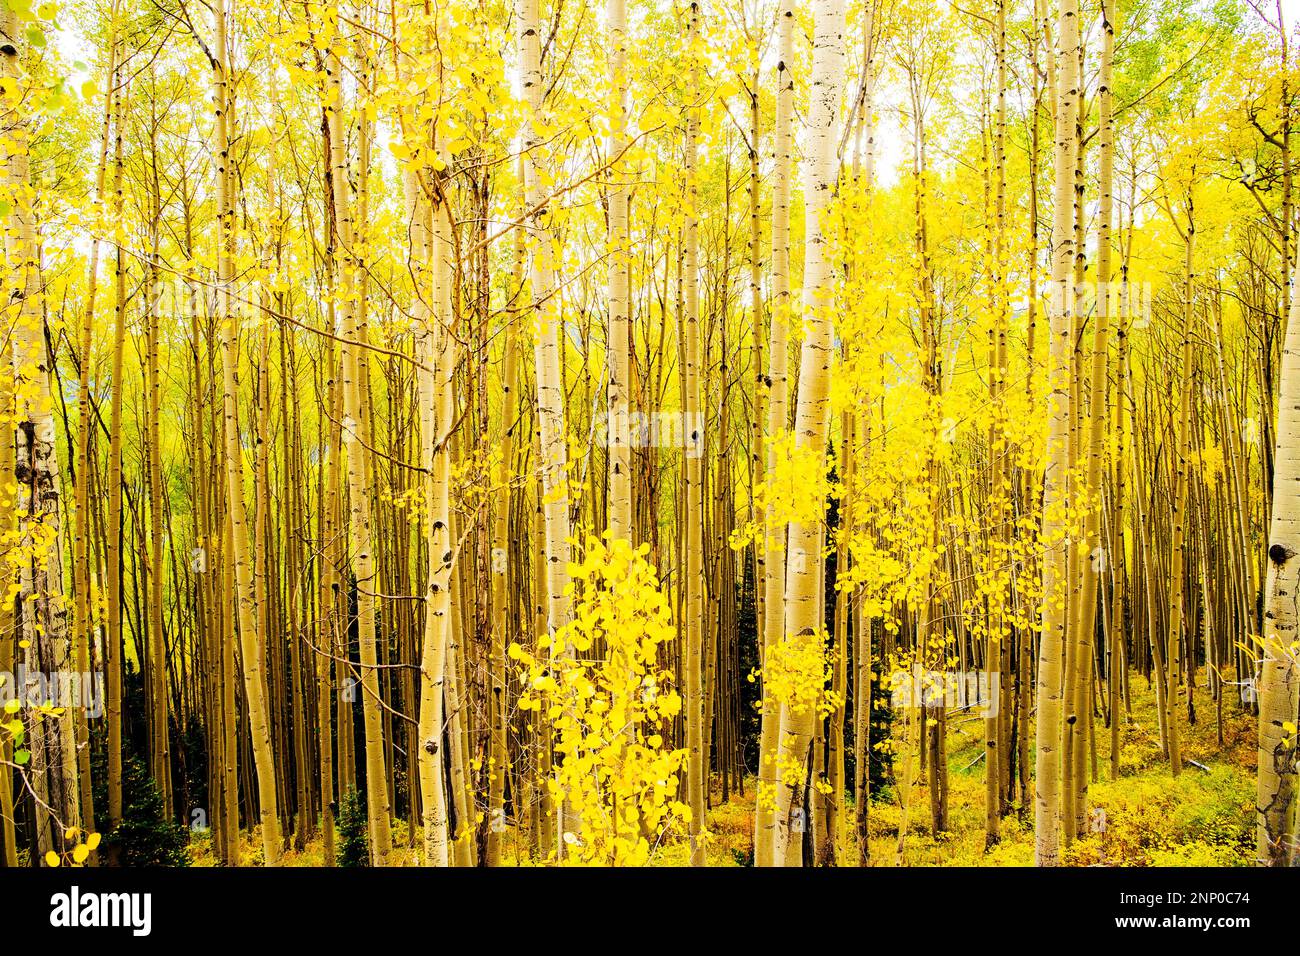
(251, 642)
(693, 446)
(618, 425)
(548, 350)
(113, 576)
(774, 534)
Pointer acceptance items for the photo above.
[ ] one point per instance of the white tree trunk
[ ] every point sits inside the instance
(1279, 682)
(812, 416)
(1047, 780)
(618, 425)
(777, 417)
(548, 351)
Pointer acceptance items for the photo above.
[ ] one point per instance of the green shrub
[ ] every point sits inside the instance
(144, 837)
(353, 846)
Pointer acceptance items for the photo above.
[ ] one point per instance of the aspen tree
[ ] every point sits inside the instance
(859, 427)
(835, 831)
(801, 623)
(774, 534)
(1095, 558)
(294, 519)
(44, 634)
(328, 644)
(113, 578)
(81, 573)
(1047, 780)
(931, 637)
(693, 453)
(436, 409)
(1279, 679)
(1126, 441)
(1108, 299)
(617, 335)
(430, 271)
(1041, 37)
(159, 740)
(203, 555)
(250, 641)
(355, 436)
(548, 351)
(1178, 543)
(502, 571)
(756, 417)
(1079, 647)
(458, 730)
(995, 739)
(229, 673)
(549, 832)
(618, 328)
(258, 429)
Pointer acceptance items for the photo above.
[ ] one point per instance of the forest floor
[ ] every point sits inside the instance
(1203, 817)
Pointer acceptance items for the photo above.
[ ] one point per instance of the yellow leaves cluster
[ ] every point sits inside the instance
(1210, 461)
(83, 844)
(598, 686)
(794, 489)
(797, 673)
(408, 501)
